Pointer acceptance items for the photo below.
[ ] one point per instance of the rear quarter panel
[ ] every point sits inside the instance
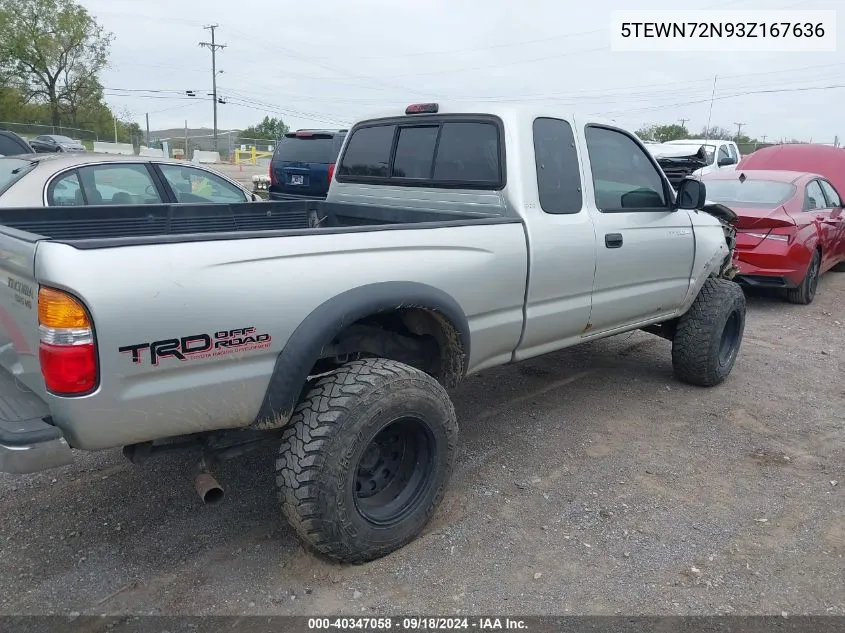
(142, 294)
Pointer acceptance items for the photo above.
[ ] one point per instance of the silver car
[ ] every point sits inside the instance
(62, 180)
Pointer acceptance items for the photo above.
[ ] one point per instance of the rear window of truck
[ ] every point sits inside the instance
(433, 152)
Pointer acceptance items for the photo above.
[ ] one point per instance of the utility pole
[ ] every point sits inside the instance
(148, 129)
(683, 123)
(738, 129)
(212, 46)
(114, 116)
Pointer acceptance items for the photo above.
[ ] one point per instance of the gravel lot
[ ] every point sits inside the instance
(589, 482)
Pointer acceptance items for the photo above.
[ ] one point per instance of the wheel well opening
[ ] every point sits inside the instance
(420, 337)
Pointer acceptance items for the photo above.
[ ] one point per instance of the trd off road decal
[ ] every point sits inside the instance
(197, 346)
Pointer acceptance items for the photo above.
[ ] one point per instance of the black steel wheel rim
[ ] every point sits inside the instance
(394, 471)
(730, 338)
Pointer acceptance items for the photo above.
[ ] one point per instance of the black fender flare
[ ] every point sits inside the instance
(325, 322)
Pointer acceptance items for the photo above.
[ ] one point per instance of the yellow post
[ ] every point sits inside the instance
(254, 161)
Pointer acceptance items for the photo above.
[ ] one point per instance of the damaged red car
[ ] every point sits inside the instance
(790, 227)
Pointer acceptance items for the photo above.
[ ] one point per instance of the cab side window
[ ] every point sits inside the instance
(558, 175)
(624, 178)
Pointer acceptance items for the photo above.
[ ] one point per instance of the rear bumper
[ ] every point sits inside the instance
(763, 281)
(21, 459)
(275, 195)
(768, 270)
(28, 443)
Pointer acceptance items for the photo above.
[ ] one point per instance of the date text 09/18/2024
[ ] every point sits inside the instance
(417, 624)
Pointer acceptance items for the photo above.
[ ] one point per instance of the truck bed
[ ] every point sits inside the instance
(155, 273)
(103, 226)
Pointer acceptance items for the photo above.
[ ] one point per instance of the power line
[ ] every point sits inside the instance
(722, 97)
(213, 48)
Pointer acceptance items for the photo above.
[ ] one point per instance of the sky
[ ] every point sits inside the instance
(328, 63)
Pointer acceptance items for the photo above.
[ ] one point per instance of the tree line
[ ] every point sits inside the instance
(674, 131)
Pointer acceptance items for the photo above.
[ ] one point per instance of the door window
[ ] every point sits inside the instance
(833, 199)
(190, 184)
(814, 198)
(118, 184)
(624, 178)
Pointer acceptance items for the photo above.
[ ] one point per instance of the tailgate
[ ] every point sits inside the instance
(19, 309)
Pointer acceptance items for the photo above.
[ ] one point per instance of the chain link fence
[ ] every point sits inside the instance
(31, 130)
(228, 142)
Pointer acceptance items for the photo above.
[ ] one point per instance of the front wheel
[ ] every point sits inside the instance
(708, 336)
(366, 458)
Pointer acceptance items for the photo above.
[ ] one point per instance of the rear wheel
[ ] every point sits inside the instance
(366, 459)
(707, 338)
(806, 291)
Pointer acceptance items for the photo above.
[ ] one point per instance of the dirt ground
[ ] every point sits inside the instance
(589, 482)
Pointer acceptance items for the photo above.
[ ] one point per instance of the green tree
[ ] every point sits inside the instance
(53, 52)
(663, 133)
(270, 128)
(715, 132)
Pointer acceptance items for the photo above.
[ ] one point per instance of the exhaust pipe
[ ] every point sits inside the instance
(209, 490)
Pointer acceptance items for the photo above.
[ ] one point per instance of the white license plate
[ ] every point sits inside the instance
(297, 180)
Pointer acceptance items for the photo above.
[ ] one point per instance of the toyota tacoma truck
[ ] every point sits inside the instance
(452, 240)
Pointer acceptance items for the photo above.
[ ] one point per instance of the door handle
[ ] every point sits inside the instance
(613, 240)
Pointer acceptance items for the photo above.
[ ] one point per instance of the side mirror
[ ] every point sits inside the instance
(725, 161)
(692, 194)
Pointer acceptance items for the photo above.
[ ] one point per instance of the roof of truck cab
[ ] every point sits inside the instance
(502, 110)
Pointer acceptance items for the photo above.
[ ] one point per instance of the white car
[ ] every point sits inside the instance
(694, 157)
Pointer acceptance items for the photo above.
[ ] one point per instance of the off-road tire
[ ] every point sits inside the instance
(317, 469)
(699, 355)
(806, 291)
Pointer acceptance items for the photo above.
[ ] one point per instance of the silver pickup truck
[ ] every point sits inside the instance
(452, 240)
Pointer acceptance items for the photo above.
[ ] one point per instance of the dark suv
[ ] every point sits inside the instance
(303, 164)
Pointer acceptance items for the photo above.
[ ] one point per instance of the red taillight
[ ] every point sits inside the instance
(67, 353)
(422, 108)
(68, 369)
(331, 172)
(272, 176)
